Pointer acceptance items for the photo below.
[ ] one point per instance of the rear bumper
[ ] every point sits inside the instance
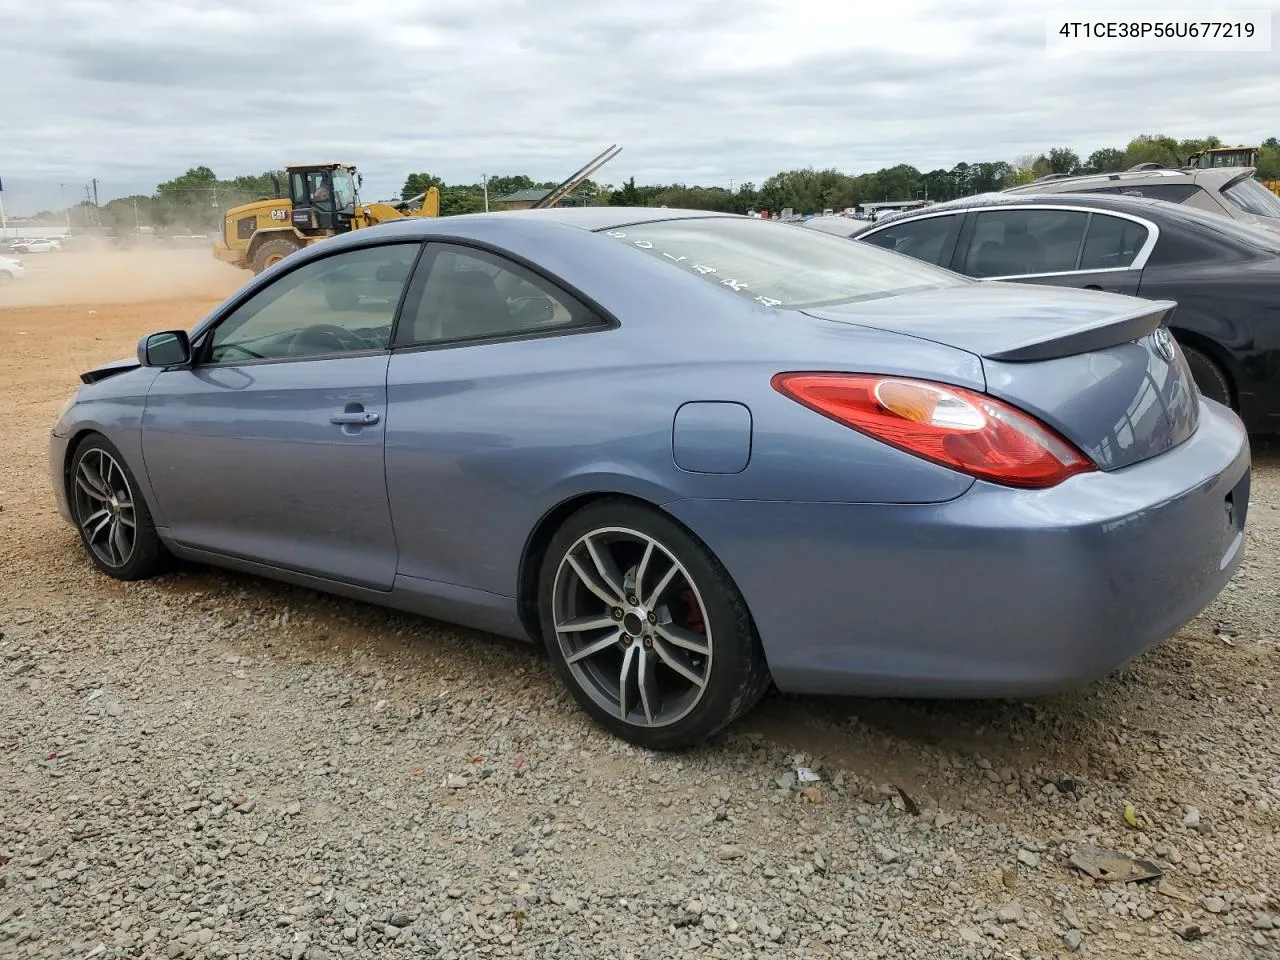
(999, 592)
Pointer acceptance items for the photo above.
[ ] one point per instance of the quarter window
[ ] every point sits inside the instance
(472, 294)
(336, 305)
(1112, 243)
(1011, 243)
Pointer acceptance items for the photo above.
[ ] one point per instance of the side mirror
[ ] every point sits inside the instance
(172, 348)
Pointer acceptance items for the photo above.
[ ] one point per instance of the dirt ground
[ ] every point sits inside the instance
(387, 756)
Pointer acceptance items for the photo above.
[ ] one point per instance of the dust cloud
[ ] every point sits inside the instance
(120, 276)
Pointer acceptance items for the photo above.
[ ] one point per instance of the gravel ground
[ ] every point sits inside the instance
(208, 765)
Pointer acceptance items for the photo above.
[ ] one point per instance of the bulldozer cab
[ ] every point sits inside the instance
(323, 197)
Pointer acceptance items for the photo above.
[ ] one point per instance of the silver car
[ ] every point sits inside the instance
(1227, 191)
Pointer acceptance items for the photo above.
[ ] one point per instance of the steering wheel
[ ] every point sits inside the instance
(325, 336)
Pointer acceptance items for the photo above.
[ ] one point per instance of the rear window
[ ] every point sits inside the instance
(779, 265)
(1252, 197)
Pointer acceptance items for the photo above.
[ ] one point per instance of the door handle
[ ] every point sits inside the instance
(356, 419)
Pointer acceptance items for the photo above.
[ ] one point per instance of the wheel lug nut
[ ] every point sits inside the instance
(617, 613)
(626, 640)
(648, 643)
(653, 618)
(632, 600)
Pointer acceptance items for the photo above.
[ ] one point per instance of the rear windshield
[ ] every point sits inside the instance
(1252, 197)
(780, 265)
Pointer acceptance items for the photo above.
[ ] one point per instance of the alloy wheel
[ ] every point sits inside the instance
(632, 626)
(105, 507)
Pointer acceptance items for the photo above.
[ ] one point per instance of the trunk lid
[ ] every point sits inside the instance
(1100, 368)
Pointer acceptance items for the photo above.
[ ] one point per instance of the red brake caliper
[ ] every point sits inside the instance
(696, 623)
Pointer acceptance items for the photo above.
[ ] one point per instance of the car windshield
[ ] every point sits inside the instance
(778, 265)
(1252, 197)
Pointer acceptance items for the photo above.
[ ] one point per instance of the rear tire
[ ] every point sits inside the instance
(673, 656)
(272, 252)
(1209, 376)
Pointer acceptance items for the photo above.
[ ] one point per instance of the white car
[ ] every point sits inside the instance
(35, 246)
(10, 270)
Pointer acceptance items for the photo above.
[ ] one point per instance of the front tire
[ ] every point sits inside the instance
(646, 628)
(272, 252)
(112, 517)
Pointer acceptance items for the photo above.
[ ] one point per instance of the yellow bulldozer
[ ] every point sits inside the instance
(322, 200)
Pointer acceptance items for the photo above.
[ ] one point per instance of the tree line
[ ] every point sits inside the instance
(195, 201)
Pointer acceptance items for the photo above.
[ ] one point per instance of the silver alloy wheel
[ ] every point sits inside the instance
(632, 626)
(105, 507)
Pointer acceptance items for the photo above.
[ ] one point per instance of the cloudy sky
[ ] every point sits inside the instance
(697, 91)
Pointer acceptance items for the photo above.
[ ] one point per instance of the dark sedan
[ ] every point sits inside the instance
(1224, 276)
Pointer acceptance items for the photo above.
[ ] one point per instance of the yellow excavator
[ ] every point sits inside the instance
(323, 200)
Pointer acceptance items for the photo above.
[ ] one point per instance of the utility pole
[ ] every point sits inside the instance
(4, 221)
(484, 179)
(136, 222)
(95, 191)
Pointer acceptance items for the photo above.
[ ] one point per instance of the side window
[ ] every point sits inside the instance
(317, 189)
(1012, 243)
(336, 305)
(1112, 242)
(472, 294)
(922, 239)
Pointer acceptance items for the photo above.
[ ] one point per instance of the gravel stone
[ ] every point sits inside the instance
(1011, 912)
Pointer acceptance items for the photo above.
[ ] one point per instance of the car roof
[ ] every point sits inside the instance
(585, 218)
(1111, 201)
(604, 218)
(1213, 177)
(1163, 213)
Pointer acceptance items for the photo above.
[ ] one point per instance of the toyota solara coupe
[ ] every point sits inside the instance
(693, 454)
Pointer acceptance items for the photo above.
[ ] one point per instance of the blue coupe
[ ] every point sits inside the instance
(691, 453)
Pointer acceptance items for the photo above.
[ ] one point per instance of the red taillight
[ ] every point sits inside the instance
(957, 428)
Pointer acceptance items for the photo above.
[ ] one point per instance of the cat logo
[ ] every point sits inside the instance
(281, 215)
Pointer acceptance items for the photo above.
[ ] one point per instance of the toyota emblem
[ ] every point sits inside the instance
(1163, 341)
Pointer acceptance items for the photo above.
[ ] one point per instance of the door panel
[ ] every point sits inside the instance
(247, 461)
(271, 447)
(484, 347)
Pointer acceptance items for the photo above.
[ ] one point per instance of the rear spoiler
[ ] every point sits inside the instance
(1122, 328)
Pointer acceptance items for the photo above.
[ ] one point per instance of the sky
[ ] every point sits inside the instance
(710, 92)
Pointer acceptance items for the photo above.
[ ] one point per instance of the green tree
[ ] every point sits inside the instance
(1064, 160)
(1187, 147)
(1106, 160)
(1149, 148)
(417, 183)
(628, 196)
(505, 186)
(1269, 160)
